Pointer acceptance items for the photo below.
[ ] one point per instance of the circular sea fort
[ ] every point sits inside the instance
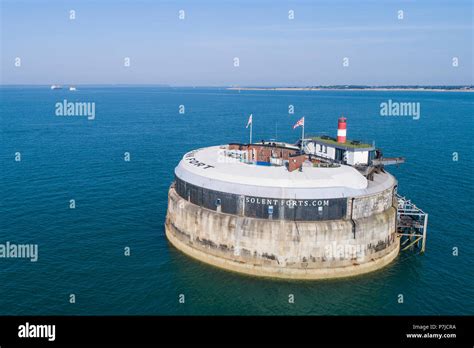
(277, 210)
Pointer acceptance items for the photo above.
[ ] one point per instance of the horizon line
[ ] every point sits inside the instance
(164, 85)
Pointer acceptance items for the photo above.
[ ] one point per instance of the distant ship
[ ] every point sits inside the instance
(56, 87)
(72, 88)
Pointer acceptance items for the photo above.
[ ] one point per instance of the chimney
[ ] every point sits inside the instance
(341, 130)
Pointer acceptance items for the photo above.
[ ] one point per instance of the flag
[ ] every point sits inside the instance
(249, 122)
(299, 123)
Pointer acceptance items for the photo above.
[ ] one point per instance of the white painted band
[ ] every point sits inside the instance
(341, 132)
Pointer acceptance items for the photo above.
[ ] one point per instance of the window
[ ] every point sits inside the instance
(270, 210)
(218, 202)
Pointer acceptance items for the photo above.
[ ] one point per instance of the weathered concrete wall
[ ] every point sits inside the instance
(369, 205)
(284, 249)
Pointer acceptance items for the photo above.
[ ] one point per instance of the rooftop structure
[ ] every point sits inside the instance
(251, 170)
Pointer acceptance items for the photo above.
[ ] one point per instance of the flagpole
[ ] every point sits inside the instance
(302, 137)
(251, 126)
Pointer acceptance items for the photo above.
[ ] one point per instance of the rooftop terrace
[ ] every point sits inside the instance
(353, 144)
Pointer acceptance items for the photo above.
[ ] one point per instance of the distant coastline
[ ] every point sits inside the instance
(468, 88)
(464, 88)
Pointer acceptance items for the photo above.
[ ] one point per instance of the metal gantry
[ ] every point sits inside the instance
(412, 223)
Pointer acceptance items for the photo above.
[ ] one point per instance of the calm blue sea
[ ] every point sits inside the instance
(123, 204)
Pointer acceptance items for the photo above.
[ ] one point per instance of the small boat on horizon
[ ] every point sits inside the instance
(56, 87)
(72, 88)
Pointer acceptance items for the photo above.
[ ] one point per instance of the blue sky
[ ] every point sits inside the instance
(272, 49)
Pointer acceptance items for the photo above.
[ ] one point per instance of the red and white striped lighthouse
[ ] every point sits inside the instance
(341, 130)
